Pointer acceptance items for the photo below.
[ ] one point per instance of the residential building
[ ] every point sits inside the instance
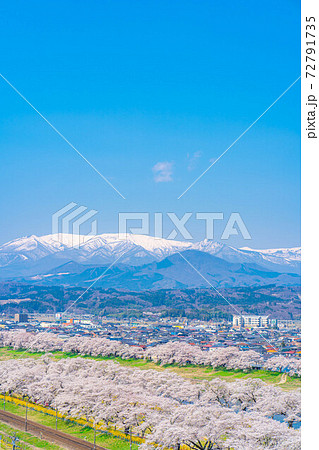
(250, 321)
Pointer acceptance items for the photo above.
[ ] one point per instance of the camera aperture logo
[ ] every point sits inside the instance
(70, 221)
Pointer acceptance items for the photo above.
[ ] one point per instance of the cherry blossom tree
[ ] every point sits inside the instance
(180, 353)
(164, 408)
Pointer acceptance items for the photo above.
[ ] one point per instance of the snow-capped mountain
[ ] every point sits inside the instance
(39, 254)
(281, 259)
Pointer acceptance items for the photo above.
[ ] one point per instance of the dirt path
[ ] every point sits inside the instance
(283, 379)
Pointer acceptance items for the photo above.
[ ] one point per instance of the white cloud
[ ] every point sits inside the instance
(163, 172)
(192, 160)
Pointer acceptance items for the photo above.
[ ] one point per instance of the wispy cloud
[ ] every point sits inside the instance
(163, 172)
(192, 160)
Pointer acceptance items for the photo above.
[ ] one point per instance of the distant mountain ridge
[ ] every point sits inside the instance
(177, 271)
(36, 255)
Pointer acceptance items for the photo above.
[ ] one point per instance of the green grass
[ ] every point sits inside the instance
(86, 433)
(113, 443)
(27, 439)
(189, 371)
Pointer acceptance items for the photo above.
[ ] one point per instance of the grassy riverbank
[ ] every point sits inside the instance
(189, 371)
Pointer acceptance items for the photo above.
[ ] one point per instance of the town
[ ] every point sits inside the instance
(246, 332)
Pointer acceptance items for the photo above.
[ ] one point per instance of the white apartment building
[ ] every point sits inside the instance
(250, 321)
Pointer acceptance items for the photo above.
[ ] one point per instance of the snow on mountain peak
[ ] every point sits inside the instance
(133, 249)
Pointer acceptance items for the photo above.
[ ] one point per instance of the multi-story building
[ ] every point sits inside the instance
(250, 321)
(21, 318)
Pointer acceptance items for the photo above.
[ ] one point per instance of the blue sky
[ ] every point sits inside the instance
(134, 84)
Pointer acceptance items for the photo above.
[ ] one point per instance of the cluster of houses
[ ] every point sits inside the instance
(247, 332)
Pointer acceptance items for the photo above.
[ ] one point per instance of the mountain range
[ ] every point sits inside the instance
(143, 262)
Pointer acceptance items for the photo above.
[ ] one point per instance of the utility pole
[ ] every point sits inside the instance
(26, 415)
(94, 447)
(14, 440)
(4, 401)
(130, 438)
(56, 417)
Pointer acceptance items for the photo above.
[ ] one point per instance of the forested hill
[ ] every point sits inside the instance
(277, 301)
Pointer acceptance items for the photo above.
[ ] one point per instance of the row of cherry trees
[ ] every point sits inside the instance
(170, 353)
(164, 408)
